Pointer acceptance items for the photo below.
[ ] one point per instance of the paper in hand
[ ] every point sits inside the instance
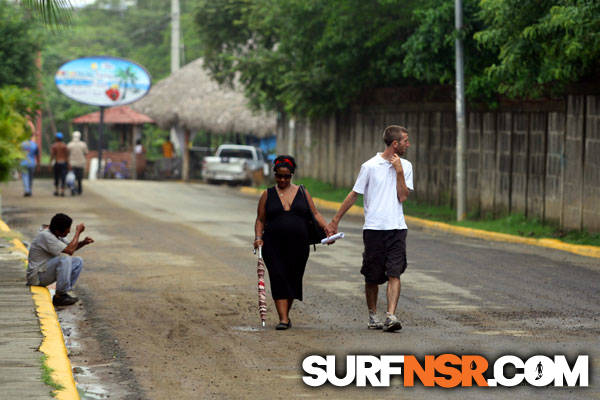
(332, 238)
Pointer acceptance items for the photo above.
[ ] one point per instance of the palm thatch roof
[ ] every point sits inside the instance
(191, 99)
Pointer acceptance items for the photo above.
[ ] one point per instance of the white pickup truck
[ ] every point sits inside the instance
(234, 163)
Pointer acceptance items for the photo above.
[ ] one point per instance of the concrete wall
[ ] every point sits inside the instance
(541, 159)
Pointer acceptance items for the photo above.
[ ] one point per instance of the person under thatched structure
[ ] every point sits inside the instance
(191, 100)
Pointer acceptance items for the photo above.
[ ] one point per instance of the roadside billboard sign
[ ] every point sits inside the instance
(103, 81)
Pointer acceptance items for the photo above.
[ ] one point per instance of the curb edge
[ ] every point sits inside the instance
(53, 343)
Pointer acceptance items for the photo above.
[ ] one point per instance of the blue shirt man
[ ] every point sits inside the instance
(28, 165)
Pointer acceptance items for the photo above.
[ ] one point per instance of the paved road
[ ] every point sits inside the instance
(170, 309)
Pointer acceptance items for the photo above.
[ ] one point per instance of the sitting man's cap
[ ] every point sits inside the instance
(59, 135)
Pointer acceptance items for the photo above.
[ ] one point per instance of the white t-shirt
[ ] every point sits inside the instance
(44, 247)
(377, 182)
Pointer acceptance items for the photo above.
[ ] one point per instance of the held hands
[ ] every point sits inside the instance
(396, 163)
(331, 228)
(329, 232)
(258, 243)
(87, 240)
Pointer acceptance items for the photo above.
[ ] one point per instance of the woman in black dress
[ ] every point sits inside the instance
(281, 229)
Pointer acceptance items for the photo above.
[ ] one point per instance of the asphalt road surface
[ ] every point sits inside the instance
(169, 305)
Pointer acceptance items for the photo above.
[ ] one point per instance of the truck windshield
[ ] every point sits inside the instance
(239, 153)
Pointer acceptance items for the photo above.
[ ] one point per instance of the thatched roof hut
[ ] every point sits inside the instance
(123, 115)
(192, 100)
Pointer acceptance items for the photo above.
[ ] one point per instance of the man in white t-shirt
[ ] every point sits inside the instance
(77, 152)
(385, 181)
(51, 258)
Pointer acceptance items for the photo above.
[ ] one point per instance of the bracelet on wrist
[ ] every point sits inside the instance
(258, 238)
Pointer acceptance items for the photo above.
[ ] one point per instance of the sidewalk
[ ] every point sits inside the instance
(29, 330)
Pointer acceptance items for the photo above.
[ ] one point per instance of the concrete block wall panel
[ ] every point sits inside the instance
(520, 150)
(573, 177)
(591, 169)
(424, 161)
(473, 160)
(503, 162)
(554, 167)
(537, 165)
(488, 162)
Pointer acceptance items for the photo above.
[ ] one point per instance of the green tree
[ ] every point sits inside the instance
(542, 45)
(18, 47)
(430, 49)
(307, 57)
(16, 106)
(311, 57)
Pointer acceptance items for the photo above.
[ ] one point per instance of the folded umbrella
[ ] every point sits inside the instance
(262, 296)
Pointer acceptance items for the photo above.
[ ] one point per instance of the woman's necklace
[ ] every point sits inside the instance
(285, 201)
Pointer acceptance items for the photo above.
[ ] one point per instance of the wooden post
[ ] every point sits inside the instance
(133, 155)
(185, 173)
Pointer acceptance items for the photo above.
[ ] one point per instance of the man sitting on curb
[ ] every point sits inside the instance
(50, 258)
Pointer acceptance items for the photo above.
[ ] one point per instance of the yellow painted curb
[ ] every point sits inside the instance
(582, 250)
(53, 344)
(250, 190)
(589, 251)
(19, 246)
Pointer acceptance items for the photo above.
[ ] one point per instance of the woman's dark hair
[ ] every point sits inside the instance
(60, 223)
(285, 161)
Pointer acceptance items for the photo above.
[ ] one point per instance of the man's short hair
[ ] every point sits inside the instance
(393, 132)
(60, 223)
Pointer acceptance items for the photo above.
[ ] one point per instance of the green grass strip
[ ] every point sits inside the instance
(47, 376)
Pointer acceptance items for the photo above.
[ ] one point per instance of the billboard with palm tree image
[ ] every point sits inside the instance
(103, 81)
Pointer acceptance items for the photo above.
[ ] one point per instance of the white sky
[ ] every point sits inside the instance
(81, 3)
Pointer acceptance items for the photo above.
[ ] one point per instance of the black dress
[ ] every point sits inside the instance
(285, 245)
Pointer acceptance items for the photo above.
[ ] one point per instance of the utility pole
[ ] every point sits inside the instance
(183, 141)
(461, 130)
(175, 34)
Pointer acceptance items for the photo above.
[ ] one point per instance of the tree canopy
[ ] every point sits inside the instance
(18, 47)
(305, 56)
(311, 57)
(540, 45)
(16, 106)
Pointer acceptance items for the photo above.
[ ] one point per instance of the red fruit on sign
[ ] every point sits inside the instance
(112, 94)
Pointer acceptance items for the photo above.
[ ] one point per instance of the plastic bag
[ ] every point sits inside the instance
(70, 179)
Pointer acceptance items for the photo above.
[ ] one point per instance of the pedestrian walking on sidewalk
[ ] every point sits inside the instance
(59, 153)
(281, 229)
(77, 151)
(385, 182)
(51, 258)
(29, 164)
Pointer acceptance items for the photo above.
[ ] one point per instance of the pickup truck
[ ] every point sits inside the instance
(233, 163)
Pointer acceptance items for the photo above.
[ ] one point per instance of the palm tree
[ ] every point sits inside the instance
(127, 77)
(52, 12)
